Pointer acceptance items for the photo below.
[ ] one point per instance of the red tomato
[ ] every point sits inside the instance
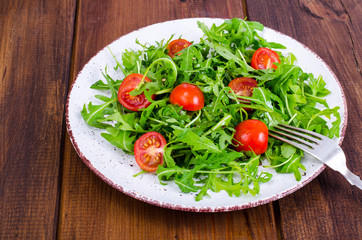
(189, 96)
(264, 58)
(243, 86)
(251, 135)
(176, 46)
(130, 102)
(148, 151)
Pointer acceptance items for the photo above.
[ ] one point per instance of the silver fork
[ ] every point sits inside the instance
(319, 146)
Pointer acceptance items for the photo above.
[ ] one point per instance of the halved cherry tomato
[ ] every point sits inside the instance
(189, 96)
(243, 86)
(251, 135)
(129, 84)
(148, 151)
(264, 58)
(176, 46)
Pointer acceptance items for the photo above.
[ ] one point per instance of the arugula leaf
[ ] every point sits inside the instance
(131, 61)
(119, 138)
(292, 165)
(96, 112)
(100, 85)
(126, 121)
(195, 141)
(287, 150)
(185, 180)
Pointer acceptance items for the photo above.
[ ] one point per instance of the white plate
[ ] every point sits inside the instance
(117, 168)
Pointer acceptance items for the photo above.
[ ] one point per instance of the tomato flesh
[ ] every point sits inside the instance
(130, 83)
(243, 86)
(251, 135)
(148, 151)
(176, 46)
(264, 58)
(189, 96)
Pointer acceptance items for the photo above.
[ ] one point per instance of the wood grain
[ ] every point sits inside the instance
(92, 209)
(327, 208)
(35, 46)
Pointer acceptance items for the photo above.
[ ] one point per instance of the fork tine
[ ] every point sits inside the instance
(309, 144)
(294, 132)
(295, 144)
(317, 135)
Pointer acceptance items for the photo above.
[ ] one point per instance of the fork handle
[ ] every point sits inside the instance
(353, 179)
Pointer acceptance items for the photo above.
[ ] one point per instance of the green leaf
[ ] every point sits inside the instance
(100, 85)
(276, 45)
(293, 166)
(169, 161)
(227, 54)
(185, 180)
(131, 61)
(165, 173)
(287, 150)
(207, 185)
(126, 121)
(93, 113)
(219, 184)
(119, 138)
(195, 141)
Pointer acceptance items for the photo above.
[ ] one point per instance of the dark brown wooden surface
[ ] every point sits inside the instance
(47, 192)
(36, 39)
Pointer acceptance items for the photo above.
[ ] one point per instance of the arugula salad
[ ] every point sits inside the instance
(198, 113)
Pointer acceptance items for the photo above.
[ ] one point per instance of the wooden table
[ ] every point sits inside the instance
(47, 192)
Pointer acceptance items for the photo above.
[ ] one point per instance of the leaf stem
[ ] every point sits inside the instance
(140, 173)
(290, 120)
(283, 163)
(118, 63)
(174, 68)
(167, 90)
(194, 120)
(221, 123)
(156, 120)
(207, 115)
(100, 109)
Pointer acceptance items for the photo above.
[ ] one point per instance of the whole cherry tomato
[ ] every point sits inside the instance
(148, 151)
(189, 96)
(251, 135)
(129, 84)
(264, 58)
(176, 46)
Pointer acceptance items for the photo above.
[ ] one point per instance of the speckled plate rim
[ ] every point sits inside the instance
(206, 208)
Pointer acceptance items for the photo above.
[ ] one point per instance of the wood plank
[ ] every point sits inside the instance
(35, 46)
(92, 209)
(328, 207)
